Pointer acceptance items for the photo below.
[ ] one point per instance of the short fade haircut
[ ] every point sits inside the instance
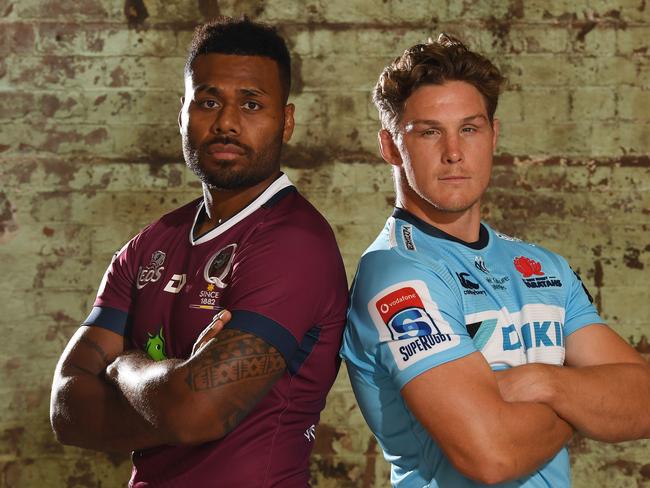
(241, 37)
(434, 63)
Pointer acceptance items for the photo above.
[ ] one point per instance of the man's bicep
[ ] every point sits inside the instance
(445, 398)
(597, 344)
(232, 374)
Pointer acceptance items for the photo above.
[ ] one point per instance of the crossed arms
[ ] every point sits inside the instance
(106, 397)
(498, 427)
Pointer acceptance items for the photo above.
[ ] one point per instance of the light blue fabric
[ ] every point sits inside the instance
(422, 298)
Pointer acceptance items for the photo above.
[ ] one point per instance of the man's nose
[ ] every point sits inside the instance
(452, 151)
(227, 120)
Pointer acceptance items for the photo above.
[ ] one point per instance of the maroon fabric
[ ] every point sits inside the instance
(285, 283)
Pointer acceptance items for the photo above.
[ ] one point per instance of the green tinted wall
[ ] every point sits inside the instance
(90, 153)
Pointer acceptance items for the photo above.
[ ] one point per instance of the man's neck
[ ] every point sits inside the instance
(220, 204)
(464, 225)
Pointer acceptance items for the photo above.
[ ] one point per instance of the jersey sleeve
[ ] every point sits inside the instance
(287, 283)
(404, 318)
(580, 309)
(115, 294)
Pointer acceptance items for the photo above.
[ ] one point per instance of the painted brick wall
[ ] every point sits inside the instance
(90, 152)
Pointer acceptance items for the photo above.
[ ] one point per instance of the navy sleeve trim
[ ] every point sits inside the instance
(306, 345)
(266, 329)
(107, 318)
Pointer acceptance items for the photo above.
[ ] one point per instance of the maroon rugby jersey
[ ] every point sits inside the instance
(277, 267)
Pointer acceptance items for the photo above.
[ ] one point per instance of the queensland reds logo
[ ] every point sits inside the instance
(528, 267)
(218, 267)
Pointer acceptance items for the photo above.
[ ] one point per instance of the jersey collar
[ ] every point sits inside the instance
(481, 243)
(272, 191)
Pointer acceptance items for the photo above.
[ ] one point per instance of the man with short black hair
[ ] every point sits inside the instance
(473, 355)
(143, 372)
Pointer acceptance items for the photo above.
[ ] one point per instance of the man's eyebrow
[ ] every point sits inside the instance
(213, 90)
(433, 122)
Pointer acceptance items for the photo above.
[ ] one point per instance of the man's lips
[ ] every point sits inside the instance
(453, 178)
(225, 151)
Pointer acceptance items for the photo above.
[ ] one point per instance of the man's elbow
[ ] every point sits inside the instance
(191, 423)
(486, 466)
(63, 428)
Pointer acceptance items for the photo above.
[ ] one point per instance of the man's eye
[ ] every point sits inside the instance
(469, 129)
(250, 105)
(208, 103)
(430, 132)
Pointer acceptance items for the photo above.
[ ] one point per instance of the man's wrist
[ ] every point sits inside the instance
(548, 384)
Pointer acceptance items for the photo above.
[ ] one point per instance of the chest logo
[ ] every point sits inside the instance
(155, 346)
(176, 284)
(471, 288)
(153, 271)
(218, 266)
(532, 274)
(480, 265)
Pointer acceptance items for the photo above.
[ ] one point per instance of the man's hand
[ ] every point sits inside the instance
(204, 397)
(211, 331)
(527, 383)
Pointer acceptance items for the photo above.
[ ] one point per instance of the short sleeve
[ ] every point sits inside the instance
(580, 309)
(114, 296)
(288, 282)
(404, 318)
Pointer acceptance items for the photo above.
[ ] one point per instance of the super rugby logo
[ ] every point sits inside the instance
(153, 271)
(409, 321)
(403, 313)
(533, 276)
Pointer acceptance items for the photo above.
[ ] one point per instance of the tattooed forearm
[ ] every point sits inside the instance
(235, 357)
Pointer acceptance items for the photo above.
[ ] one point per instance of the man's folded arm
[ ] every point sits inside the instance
(85, 409)
(486, 438)
(603, 391)
(205, 397)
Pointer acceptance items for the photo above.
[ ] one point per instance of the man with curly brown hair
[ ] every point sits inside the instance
(474, 356)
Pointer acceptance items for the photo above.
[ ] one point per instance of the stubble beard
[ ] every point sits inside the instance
(222, 174)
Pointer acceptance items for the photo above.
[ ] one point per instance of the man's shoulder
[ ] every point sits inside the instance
(295, 222)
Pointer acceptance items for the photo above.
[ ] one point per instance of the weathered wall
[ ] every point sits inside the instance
(90, 152)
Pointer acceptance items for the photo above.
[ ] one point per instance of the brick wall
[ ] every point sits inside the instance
(90, 152)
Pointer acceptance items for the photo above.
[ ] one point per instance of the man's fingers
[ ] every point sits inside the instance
(211, 331)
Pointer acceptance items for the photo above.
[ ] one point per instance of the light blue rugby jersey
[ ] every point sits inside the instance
(421, 298)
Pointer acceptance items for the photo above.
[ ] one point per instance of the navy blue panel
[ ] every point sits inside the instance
(306, 345)
(267, 329)
(279, 196)
(107, 318)
(483, 235)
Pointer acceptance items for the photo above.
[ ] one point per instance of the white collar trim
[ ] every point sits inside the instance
(279, 184)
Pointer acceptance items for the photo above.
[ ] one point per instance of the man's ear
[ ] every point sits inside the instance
(180, 114)
(496, 127)
(388, 149)
(289, 122)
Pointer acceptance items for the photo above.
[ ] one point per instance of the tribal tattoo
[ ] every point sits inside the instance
(236, 357)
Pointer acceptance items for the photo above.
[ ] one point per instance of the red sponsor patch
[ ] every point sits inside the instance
(528, 267)
(396, 301)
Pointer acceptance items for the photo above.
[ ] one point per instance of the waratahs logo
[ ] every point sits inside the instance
(529, 269)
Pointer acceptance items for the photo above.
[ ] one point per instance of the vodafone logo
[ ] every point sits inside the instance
(383, 308)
